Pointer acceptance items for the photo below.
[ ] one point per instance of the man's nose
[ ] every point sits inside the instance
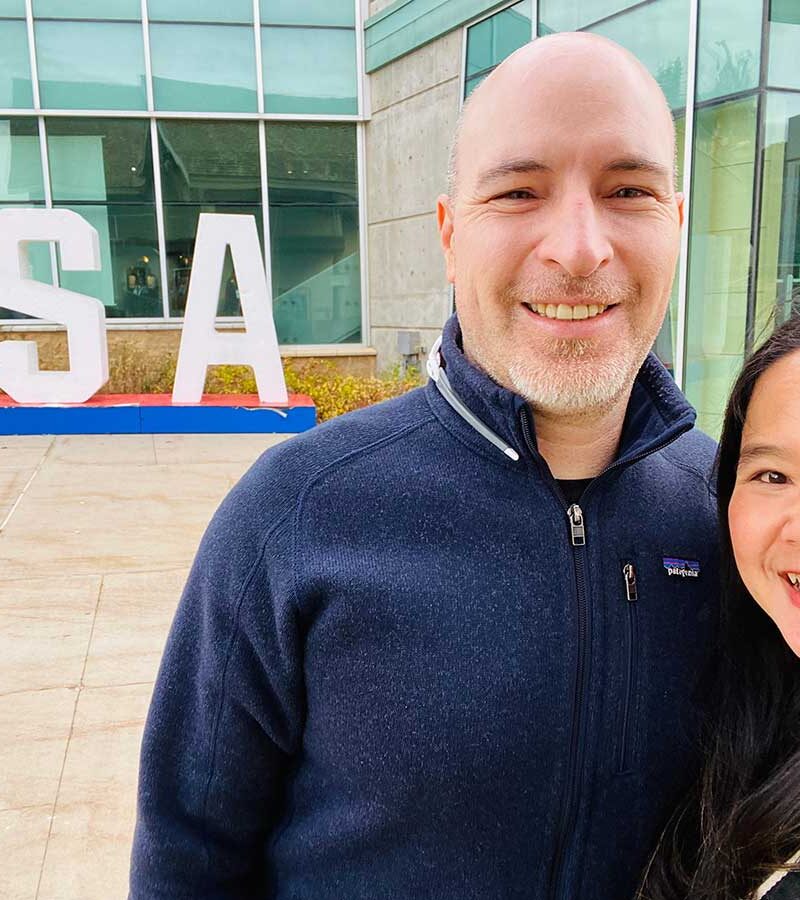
(575, 239)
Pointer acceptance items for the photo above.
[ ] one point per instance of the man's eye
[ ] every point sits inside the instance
(630, 193)
(771, 477)
(517, 195)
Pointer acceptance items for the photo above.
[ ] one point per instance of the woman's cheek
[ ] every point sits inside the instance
(748, 549)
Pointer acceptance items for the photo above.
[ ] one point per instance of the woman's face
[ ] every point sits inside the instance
(764, 511)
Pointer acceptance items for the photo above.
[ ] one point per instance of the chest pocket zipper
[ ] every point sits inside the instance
(627, 725)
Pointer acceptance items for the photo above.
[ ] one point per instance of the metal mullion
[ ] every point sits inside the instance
(148, 67)
(170, 114)
(159, 202)
(259, 60)
(366, 318)
(265, 223)
(363, 88)
(688, 166)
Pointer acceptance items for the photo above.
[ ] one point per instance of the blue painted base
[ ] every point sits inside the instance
(155, 414)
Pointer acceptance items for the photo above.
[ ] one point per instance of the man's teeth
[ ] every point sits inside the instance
(566, 311)
(794, 578)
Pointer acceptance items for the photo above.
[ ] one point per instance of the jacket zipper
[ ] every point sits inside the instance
(569, 807)
(632, 597)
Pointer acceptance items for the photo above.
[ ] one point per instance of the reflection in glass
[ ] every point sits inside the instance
(657, 34)
(128, 283)
(309, 70)
(203, 68)
(308, 12)
(180, 226)
(489, 42)
(313, 199)
(240, 11)
(719, 255)
(209, 162)
(784, 40)
(20, 161)
(556, 15)
(15, 74)
(728, 48)
(90, 65)
(778, 286)
(100, 159)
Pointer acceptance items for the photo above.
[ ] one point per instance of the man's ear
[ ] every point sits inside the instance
(444, 218)
(679, 199)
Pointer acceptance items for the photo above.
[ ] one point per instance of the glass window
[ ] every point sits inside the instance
(309, 70)
(87, 9)
(100, 160)
(203, 68)
(180, 226)
(313, 214)
(778, 284)
(20, 162)
(209, 162)
(12, 8)
(15, 73)
(90, 65)
(128, 282)
(308, 12)
(719, 255)
(492, 40)
(556, 15)
(657, 34)
(200, 11)
(784, 39)
(728, 48)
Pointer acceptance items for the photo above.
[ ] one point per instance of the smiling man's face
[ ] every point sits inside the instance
(564, 232)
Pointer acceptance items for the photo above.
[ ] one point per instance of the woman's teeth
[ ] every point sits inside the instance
(566, 311)
(794, 579)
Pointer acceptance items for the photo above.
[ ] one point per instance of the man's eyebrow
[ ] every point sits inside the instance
(637, 164)
(521, 166)
(754, 451)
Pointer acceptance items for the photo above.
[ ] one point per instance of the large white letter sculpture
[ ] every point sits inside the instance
(201, 344)
(83, 316)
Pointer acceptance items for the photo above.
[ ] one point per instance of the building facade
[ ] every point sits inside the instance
(330, 121)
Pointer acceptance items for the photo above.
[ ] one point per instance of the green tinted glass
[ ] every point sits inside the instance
(12, 8)
(556, 15)
(200, 11)
(87, 9)
(180, 225)
(309, 70)
(100, 160)
(15, 72)
(784, 41)
(313, 214)
(778, 284)
(20, 162)
(90, 65)
(719, 254)
(308, 12)
(657, 33)
(492, 40)
(209, 162)
(728, 48)
(203, 68)
(128, 282)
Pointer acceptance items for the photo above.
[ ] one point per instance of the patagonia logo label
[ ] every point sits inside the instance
(684, 568)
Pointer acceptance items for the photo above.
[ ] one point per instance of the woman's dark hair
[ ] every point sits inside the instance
(742, 820)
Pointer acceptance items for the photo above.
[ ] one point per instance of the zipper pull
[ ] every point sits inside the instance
(576, 526)
(630, 582)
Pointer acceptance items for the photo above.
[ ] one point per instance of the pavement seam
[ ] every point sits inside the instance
(36, 471)
(69, 739)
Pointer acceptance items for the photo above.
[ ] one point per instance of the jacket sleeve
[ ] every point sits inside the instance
(225, 718)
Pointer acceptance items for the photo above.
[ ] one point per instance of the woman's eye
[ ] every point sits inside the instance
(771, 478)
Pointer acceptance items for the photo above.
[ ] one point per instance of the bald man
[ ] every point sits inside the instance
(448, 647)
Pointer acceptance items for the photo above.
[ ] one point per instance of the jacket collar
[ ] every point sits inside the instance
(657, 411)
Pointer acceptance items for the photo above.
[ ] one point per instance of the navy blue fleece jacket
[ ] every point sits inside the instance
(396, 672)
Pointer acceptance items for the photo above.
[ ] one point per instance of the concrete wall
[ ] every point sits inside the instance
(415, 103)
